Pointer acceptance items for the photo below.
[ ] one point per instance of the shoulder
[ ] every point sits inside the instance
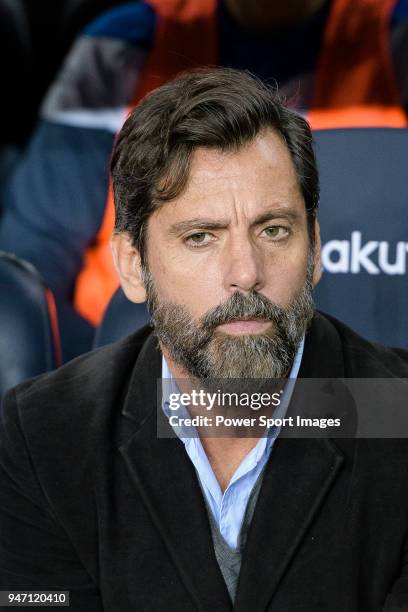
(56, 429)
(56, 433)
(80, 393)
(134, 22)
(366, 359)
(99, 76)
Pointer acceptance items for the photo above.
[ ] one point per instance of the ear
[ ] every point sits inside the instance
(128, 266)
(317, 271)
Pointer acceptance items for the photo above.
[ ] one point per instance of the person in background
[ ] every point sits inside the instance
(341, 63)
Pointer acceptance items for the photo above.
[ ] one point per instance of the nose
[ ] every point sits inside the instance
(243, 266)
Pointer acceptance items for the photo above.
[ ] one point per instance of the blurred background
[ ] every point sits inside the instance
(70, 72)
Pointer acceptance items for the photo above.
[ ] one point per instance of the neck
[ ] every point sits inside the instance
(268, 14)
(225, 455)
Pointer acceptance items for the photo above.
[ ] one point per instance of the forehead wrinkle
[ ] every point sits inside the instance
(259, 174)
(267, 164)
(227, 208)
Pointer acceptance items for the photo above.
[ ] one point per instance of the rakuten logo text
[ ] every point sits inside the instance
(374, 257)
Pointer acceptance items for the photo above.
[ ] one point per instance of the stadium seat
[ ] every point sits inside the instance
(121, 318)
(363, 211)
(29, 339)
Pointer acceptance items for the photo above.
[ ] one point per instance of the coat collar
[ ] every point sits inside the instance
(323, 354)
(141, 395)
(167, 483)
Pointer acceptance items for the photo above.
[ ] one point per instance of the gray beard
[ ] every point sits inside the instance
(206, 353)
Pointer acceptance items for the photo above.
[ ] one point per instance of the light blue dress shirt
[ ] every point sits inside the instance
(229, 507)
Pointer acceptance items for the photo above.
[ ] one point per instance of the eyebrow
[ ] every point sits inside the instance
(210, 224)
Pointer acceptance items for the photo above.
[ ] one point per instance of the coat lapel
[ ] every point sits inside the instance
(297, 478)
(166, 481)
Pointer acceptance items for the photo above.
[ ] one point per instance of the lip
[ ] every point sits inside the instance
(245, 326)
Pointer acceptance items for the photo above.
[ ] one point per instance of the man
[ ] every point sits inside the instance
(216, 194)
(342, 63)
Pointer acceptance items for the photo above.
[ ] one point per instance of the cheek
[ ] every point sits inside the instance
(187, 278)
(285, 277)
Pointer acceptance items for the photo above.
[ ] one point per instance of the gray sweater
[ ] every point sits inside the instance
(229, 559)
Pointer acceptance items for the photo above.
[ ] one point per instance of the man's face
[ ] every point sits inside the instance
(230, 265)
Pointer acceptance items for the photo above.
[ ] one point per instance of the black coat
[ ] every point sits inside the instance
(92, 502)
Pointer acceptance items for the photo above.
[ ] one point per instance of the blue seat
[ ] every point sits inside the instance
(121, 318)
(29, 339)
(363, 218)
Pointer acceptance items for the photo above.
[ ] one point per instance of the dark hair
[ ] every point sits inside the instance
(218, 108)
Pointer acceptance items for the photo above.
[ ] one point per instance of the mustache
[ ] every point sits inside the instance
(252, 305)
